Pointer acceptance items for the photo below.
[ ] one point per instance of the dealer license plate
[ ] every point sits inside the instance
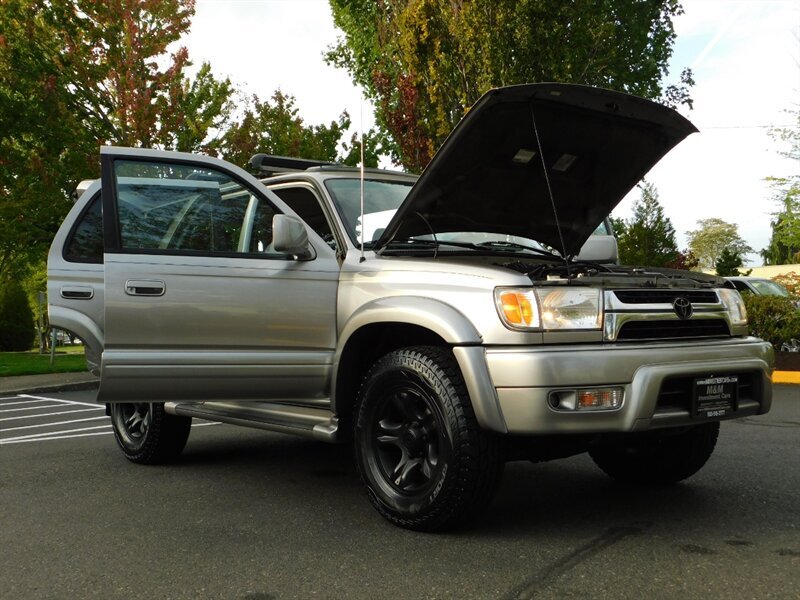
(715, 396)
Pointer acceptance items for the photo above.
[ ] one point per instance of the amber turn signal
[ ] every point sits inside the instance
(518, 308)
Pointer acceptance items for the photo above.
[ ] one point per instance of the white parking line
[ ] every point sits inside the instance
(56, 435)
(59, 400)
(63, 412)
(47, 439)
(7, 410)
(37, 435)
(20, 402)
(52, 424)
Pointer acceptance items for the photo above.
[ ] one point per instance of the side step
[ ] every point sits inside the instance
(318, 423)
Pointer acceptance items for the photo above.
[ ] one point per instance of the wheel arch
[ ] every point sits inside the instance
(84, 328)
(392, 323)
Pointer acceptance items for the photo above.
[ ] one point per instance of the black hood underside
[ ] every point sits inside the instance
(489, 176)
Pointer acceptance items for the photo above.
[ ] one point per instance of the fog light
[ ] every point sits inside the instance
(599, 399)
(587, 399)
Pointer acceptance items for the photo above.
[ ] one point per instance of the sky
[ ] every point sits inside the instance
(745, 56)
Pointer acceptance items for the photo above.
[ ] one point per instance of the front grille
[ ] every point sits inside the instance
(660, 329)
(676, 392)
(665, 296)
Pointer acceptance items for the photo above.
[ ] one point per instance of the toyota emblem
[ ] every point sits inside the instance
(683, 308)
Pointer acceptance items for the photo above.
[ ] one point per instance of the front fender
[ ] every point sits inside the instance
(443, 319)
(448, 323)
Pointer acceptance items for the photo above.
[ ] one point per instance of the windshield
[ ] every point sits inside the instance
(768, 288)
(381, 201)
(602, 229)
(383, 198)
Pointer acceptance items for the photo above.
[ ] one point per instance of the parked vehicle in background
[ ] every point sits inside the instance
(444, 328)
(760, 286)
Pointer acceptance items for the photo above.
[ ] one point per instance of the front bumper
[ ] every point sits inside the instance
(656, 379)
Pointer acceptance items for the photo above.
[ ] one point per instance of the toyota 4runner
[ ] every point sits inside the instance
(443, 326)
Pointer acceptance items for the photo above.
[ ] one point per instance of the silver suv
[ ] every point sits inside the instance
(444, 328)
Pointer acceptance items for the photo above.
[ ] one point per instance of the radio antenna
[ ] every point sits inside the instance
(363, 225)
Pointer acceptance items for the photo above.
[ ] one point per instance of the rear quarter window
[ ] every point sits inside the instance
(85, 241)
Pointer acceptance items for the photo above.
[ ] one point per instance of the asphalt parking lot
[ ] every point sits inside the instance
(254, 515)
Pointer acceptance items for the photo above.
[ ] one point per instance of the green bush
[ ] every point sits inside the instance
(772, 318)
(16, 318)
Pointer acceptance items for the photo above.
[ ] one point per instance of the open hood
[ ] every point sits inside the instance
(488, 175)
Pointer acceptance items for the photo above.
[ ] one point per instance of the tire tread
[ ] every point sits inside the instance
(477, 458)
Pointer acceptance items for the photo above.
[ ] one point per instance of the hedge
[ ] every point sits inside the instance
(772, 318)
(17, 330)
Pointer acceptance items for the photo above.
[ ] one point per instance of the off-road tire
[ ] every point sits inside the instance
(658, 457)
(148, 435)
(413, 403)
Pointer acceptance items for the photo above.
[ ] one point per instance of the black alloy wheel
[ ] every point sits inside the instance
(146, 433)
(424, 459)
(405, 435)
(134, 421)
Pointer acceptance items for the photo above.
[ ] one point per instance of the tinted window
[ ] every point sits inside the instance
(305, 203)
(186, 209)
(741, 286)
(86, 242)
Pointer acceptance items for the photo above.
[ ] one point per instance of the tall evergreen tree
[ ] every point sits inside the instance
(648, 238)
(728, 263)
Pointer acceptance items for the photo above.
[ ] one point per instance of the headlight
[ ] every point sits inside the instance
(549, 308)
(734, 305)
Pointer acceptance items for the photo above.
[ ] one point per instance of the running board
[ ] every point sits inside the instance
(317, 423)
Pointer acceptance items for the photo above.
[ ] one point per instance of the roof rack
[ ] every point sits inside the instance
(268, 164)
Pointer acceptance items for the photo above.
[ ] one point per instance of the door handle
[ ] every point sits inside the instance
(77, 292)
(144, 288)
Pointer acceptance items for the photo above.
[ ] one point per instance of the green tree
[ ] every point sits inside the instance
(712, 237)
(274, 127)
(648, 238)
(125, 79)
(373, 150)
(41, 136)
(75, 74)
(728, 263)
(423, 63)
(618, 227)
(784, 244)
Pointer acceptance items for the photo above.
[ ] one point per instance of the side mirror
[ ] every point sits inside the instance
(289, 236)
(600, 249)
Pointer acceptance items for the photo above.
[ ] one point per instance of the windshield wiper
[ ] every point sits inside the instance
(493, 246)
(514, 246)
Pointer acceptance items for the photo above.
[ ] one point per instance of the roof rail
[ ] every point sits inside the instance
(82, 187)
(267, 164)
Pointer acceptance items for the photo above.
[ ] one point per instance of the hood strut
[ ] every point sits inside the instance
(550, 193)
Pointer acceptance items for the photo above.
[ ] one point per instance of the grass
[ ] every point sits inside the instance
(69, 359)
